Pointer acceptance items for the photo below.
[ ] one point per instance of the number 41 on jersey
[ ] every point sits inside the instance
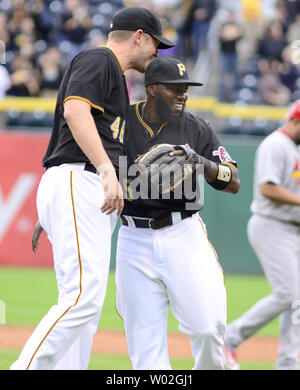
(117, 130)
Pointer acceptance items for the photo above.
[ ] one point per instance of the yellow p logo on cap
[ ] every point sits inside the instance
(181, 68)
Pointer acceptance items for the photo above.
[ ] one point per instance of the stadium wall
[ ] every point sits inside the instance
(225, 215)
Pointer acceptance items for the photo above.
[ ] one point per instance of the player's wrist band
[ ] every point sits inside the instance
(223, 178)
(224, 173)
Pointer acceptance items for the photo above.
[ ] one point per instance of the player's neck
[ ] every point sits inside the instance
(121, 52)
(290, 130)
(149, 115)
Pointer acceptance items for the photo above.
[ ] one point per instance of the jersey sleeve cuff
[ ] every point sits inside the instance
(230, 164)
(85, 100)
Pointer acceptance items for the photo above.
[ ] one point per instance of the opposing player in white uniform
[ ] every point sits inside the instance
(274, 233)
(164, 257)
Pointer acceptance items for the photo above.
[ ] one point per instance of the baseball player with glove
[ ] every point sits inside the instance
(79, 195)
(274, 234)
(164, 257)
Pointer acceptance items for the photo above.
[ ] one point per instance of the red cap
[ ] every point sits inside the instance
(294, 111)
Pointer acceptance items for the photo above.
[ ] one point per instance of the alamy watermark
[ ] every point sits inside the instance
(296, 313)
(2, 52)
(2, 313)
(138, 185)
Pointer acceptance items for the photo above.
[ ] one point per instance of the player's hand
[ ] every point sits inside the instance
(36, 236)
(179, 153)
(113, 193)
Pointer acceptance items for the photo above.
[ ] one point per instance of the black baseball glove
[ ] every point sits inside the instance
(165, 171)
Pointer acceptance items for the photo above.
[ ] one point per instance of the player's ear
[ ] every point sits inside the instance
(138, 35)
(152, 90)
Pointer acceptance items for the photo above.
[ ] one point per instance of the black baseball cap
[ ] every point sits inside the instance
(167, 70)
(135, 18)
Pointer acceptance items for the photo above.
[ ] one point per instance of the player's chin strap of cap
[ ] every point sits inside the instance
(155, 224)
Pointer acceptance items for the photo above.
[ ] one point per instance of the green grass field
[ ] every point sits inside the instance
(29, 293)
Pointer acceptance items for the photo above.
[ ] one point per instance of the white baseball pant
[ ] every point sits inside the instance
(68, 203)
(277, 246)
(174, 266)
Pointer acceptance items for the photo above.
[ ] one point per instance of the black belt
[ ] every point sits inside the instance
(154, 224)
(87, 167)
(295, 223)
(90, 168)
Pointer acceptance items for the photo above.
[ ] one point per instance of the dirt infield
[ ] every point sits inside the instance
(109, 342)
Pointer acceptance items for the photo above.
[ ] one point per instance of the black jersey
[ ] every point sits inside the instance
(96, 77)
(140, 136)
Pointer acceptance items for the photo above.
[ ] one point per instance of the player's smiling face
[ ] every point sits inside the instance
(175, 95)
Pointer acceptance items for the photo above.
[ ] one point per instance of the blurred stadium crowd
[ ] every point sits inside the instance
(242, 50)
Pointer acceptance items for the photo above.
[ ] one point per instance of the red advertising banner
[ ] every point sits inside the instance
(20, 172)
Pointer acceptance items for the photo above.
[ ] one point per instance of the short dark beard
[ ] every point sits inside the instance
(163, 110)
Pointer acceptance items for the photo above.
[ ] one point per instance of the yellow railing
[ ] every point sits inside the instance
(211, 104)
(27, 104)
(224, 110)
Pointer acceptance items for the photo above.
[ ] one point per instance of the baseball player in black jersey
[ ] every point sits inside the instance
(79, 195)
(164, 256)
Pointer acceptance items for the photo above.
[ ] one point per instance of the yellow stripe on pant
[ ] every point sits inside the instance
(80, 271)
